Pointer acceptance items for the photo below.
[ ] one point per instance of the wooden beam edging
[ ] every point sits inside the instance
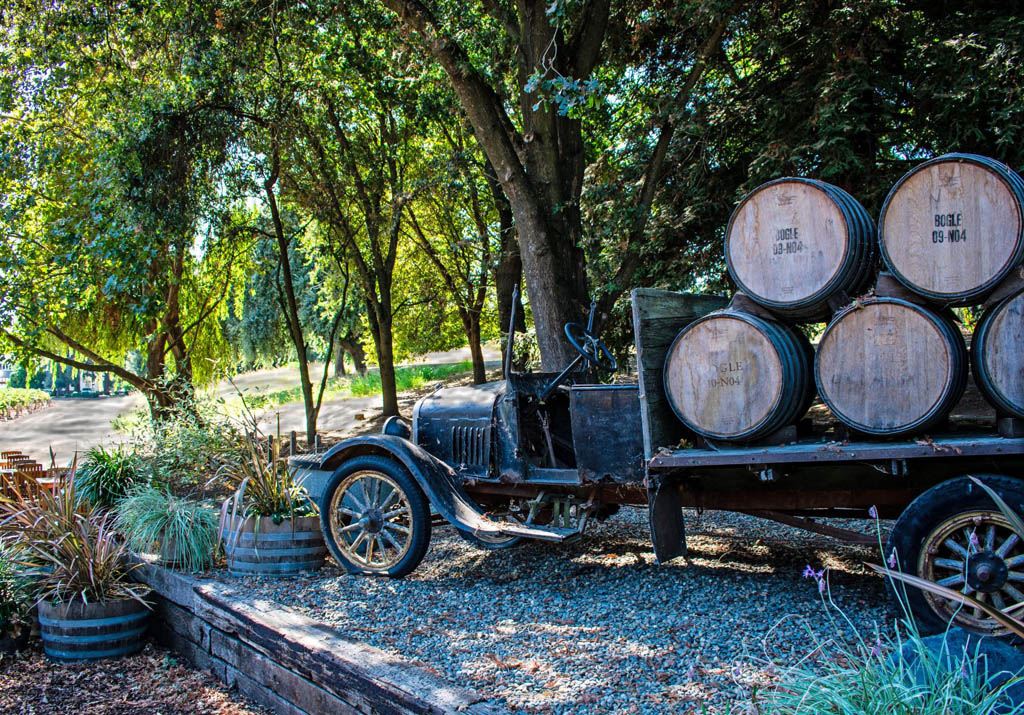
(287, 661)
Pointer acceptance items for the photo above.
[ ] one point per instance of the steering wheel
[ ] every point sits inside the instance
(590, 347)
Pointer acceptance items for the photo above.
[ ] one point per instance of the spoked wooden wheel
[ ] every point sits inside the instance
(371, 521)
(376, 519)
(977, 553)
(954, 535)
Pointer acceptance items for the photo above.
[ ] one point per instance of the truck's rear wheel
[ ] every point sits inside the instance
(953, 534)
(375, 517)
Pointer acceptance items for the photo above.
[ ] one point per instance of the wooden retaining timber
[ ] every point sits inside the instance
(286, 661)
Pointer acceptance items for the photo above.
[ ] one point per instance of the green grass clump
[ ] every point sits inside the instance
(182, 531)
(106, 476)
(407, 378)
(863, 678)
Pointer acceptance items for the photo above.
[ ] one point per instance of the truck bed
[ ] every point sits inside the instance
(819, 450)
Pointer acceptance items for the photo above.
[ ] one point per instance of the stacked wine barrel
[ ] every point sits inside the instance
(950, 231)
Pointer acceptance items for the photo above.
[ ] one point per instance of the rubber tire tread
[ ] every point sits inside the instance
(927, 511)
(419, 508)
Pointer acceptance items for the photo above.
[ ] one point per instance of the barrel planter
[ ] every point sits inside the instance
(997, 355)
(89, 631)
(795, 245)
(256, 546)
(890, 367)
(737, 377)
(951, 229)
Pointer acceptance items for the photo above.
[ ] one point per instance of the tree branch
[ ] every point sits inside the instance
(655, 170)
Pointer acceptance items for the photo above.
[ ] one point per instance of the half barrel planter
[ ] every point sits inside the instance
(90, 631)
(256, 546)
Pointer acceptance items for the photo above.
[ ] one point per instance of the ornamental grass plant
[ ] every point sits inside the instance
(15, 600)
(182, 531)
(68, 547)
(869, 676)
(105, 476)
(849, 673)
(266, 488)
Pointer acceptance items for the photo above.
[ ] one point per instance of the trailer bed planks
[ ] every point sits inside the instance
(804, 451)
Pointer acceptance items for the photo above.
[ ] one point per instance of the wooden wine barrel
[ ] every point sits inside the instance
(793, 243)
(997, 355)
(291, 548)
(737, 377)
(952, 228)
(89, 631)
(890, 367)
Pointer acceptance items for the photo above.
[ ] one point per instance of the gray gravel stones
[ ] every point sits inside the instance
(595, 626)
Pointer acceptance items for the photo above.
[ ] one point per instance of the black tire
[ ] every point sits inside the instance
(938, 510)
(418, 516)
(482, 543)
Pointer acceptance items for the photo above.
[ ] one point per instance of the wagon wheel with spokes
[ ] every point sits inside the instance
(375, 518)
(954, 535)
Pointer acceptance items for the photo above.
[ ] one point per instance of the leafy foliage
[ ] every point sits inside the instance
(14, 399)
(14, 591)
(105, 476)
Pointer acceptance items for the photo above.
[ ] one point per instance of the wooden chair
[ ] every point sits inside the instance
(22, 486)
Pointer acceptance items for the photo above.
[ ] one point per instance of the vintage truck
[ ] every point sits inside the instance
(539, 456)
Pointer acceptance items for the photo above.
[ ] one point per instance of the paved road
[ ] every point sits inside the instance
(67, 426)
(71, 425)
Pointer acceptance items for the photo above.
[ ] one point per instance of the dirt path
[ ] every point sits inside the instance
(71, 425)
(67, 426)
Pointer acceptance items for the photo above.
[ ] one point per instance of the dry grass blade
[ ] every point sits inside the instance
(1011, 624)
(1016, 523)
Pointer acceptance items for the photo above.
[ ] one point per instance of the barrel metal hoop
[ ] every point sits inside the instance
(101, 638)
(93, 622)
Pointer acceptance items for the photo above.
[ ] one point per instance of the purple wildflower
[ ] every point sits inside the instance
(876, 650)
(821, 585)
(873, 512)
(809, 572)
(963, 669)
(892, 559)
(974, 542)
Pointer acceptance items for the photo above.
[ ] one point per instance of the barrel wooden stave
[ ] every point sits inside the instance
(91, 631)
(794, 244)
(997, 355)
(291, 548)
(737, 377)
(890, 367)
(952, 228)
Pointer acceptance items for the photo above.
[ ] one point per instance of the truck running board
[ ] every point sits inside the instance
(532, 531)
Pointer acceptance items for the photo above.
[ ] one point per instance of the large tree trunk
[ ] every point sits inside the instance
(471, 324)
(355, 348)
(339, 359)
(508, 273)
(542, 181)
(383, 341)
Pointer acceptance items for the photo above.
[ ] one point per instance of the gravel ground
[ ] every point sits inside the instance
(595, 626)
(152, 682)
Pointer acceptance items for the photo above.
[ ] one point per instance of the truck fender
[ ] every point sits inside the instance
(437, 480)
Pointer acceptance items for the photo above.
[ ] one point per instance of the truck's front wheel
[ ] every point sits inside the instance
(953, 534)
(375, 517)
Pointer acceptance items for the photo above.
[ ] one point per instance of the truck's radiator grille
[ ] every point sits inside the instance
(470, 446)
